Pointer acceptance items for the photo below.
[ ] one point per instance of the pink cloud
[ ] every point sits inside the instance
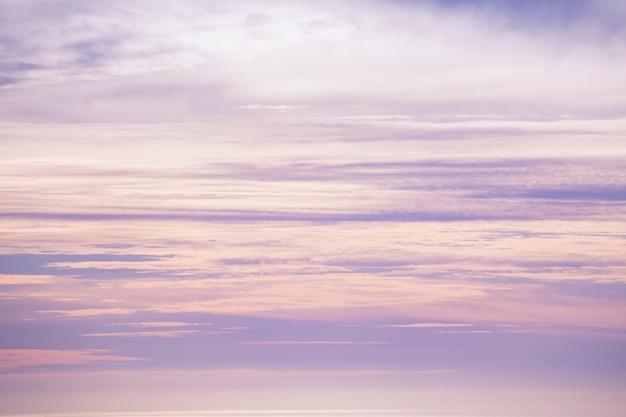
(162, 333)
(89, 312)
(428, 325)
(16, 358)
(22, 279)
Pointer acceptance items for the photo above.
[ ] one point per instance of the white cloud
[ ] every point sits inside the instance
(193, 59)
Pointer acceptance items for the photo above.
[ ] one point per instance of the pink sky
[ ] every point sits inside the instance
(383, 206)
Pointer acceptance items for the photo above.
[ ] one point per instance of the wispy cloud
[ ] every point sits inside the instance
(269, 107)
(428, 325)
(251, 373)
(160, 324)
(16, 358)
(310, 342)
(17, 279)
(156, 333)
(89, 312)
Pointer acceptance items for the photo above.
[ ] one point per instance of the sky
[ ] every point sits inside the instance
(340, 208)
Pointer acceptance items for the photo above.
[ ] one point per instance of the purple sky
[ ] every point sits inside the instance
(396, 207)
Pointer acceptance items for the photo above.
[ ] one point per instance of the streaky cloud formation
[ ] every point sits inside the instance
(376, 207)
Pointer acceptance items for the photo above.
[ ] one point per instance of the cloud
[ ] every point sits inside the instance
(169, 329)
(225, 374)
(428, 325)
(17, 358)
(58, 264)
(317, 293)
(321, 177)
(212, 58)
(309, 342)
(160, 324)
(607, 193)
(86, 312)
(335, 177)
(268, 107)
(20, 279)
(157, 333)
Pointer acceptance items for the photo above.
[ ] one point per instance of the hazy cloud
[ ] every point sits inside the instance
(16, 358)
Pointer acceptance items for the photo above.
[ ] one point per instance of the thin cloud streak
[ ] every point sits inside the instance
(18, 358)
(160, 333)
(428, 325)
(309, 342)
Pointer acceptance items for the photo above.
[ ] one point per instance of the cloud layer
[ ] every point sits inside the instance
(357, 205)
(222, 58)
